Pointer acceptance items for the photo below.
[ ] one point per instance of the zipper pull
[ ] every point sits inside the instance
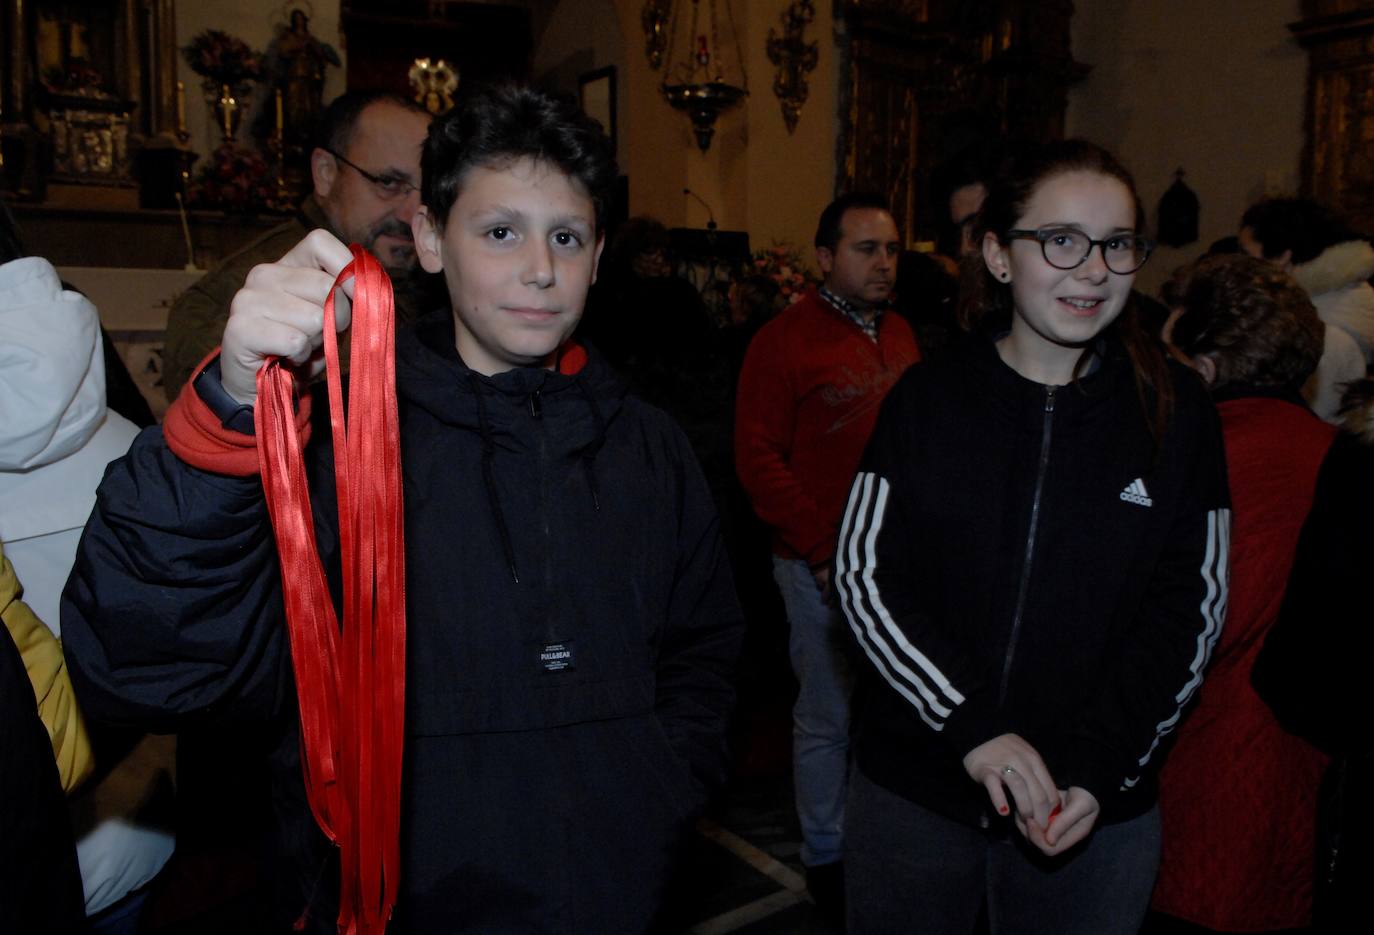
(1049, 398)
(536, 405)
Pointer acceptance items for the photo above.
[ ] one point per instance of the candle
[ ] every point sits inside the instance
(278, 97)
(181, 107)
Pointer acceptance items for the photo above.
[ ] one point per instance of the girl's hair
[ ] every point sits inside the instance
(987, 299)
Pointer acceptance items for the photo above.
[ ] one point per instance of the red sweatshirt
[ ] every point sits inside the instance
(808, 397)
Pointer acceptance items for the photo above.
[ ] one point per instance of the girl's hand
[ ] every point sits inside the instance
(1007, 763)
(1069, 824)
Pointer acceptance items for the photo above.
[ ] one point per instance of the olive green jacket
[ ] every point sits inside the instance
(195, 323)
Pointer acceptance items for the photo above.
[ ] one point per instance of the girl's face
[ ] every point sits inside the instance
(1058, 311)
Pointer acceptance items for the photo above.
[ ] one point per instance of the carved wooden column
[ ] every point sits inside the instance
(918, 71)
(886, 57)
(158, 21)
(1338, 160)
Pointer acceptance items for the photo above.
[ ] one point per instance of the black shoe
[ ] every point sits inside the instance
(825, 883)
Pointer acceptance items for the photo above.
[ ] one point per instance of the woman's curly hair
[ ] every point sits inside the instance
(1250, 317)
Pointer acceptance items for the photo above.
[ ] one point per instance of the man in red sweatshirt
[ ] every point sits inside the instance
(809, 393)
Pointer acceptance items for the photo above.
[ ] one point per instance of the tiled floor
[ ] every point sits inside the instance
(746, 871)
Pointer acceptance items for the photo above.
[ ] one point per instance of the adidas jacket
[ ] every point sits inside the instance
(1019, 558)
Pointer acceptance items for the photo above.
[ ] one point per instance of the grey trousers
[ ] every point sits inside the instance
(909, 871)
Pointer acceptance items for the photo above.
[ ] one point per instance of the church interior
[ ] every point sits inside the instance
(1246, 100)
(146, 140)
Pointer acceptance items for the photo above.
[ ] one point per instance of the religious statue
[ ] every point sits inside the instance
(296, 61)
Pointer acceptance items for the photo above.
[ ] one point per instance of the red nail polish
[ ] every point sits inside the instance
(1004, 810)
(1057, 810)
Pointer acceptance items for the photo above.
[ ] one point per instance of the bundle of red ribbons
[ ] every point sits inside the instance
(350, 679)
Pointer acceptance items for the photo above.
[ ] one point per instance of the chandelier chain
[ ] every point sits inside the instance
(692, 64)
(739, 46)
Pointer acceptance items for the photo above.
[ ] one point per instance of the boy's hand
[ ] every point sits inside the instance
(279, 312)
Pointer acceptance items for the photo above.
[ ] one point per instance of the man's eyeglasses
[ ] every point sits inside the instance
(1067, 248)
(388, 186)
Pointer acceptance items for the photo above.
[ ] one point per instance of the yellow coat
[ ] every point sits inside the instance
(47, 671)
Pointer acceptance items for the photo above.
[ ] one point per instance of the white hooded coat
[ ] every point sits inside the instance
(1337, 282)
(56, 438)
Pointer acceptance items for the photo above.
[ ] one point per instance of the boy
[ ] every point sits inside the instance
(572, 625)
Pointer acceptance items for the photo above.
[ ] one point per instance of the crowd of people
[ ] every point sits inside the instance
(1065, 571)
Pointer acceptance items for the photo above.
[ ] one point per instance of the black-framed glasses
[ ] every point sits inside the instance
(1068, 248)
(388, 186)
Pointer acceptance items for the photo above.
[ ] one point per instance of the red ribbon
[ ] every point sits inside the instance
(350, 680)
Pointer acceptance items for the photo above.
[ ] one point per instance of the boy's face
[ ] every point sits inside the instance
(519, 251)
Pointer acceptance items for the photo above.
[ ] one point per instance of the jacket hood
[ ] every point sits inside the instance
(431, 375)
(1336, 267)
(574, 407)
(52, 369)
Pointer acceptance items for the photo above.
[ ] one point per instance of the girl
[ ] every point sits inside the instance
(1033, 561)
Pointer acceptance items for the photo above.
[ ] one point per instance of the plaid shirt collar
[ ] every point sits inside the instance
(854, 313)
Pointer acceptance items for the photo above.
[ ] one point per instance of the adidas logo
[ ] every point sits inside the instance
(1135, 492)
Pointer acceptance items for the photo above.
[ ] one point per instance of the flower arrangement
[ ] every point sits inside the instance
(235, 180)
(223, 59)
(783, 264)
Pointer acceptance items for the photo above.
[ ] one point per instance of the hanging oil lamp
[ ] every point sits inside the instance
(697, 84)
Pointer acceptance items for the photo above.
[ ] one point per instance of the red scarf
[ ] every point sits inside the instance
(350, 680)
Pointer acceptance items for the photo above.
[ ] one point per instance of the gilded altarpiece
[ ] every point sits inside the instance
(1338, 160)
(82, 84)
(925, 74)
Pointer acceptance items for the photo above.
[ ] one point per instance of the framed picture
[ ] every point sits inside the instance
(596, 91)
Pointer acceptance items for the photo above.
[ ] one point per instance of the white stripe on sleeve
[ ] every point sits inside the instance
(1216, 580)
(892, 654)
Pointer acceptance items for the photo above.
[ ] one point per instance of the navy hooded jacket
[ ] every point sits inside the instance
(571, 636)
